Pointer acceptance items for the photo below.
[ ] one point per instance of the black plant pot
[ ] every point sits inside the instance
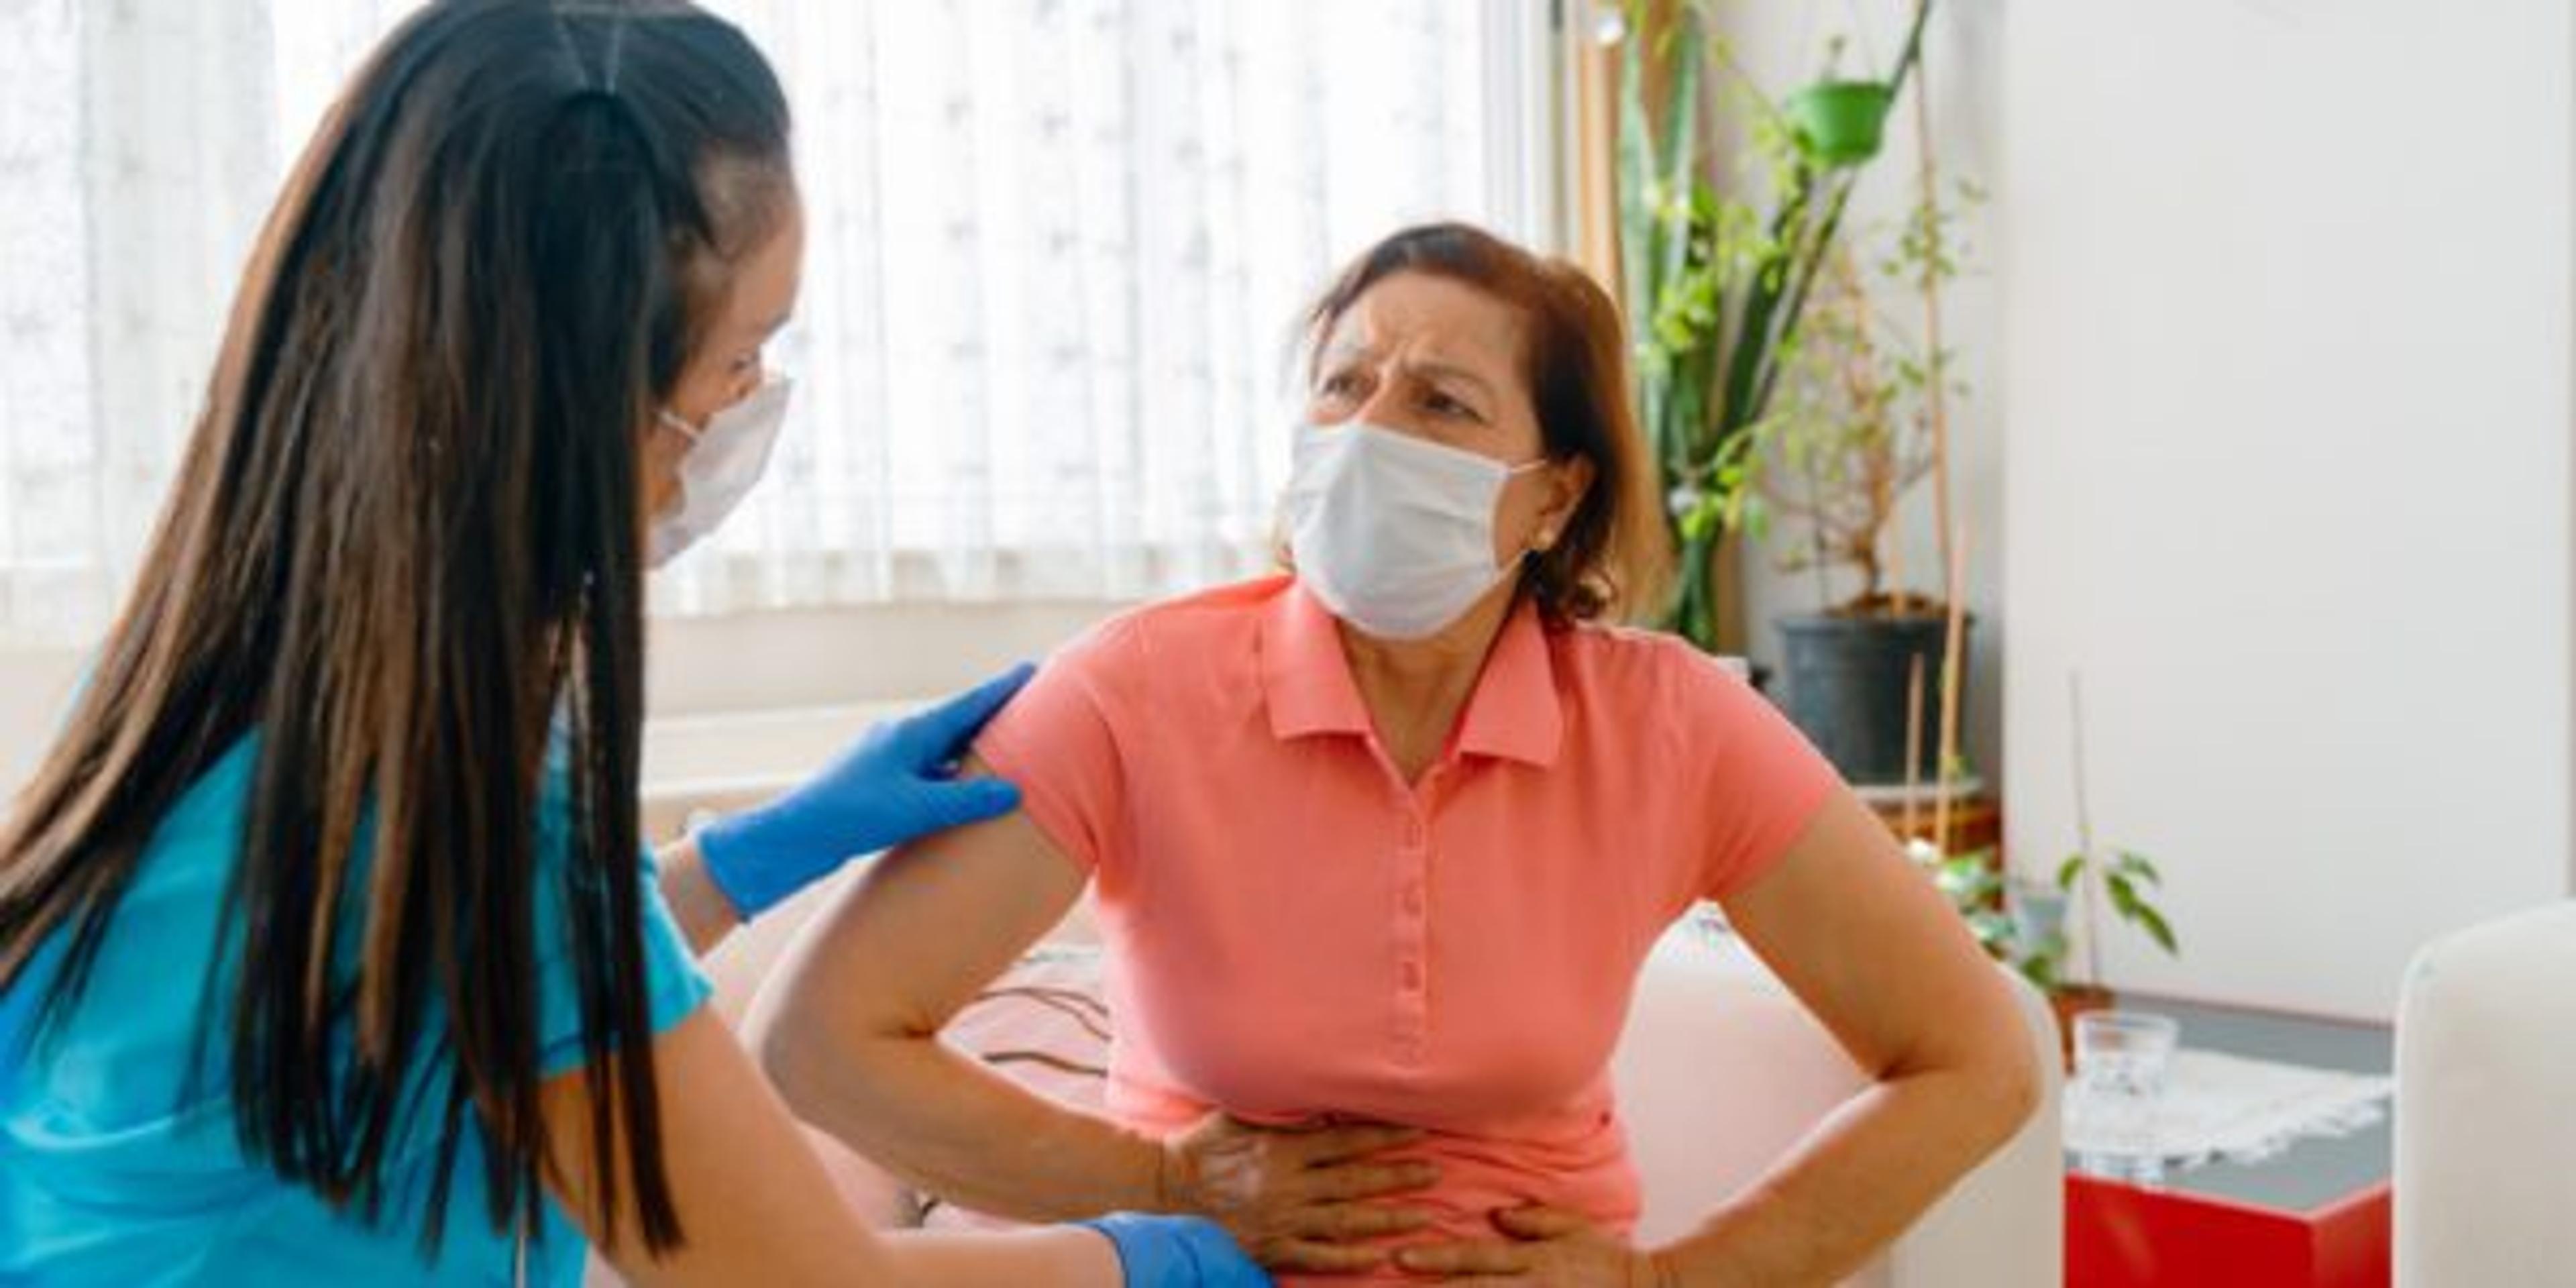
(1847, 680)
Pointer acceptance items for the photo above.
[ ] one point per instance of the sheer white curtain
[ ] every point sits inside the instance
(137, 146)
(1056, 248)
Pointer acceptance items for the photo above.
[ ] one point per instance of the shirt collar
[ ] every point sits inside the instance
(1306, 682)
(1514, 714)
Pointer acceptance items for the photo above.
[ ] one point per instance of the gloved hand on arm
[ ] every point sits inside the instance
(899, 781)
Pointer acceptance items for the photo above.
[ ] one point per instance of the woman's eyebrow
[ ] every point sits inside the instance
(1343, 351)
(1452, 371)
(1429, 368)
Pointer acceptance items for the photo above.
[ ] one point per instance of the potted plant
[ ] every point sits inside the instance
(1841, 121)
(1850, 437)
(1716, 285)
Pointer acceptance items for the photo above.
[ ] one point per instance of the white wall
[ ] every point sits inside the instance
(842, 657)
(1780, 46)
(2287, 303)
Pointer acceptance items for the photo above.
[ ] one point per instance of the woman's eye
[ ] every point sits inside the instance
(1339, 385)
(1444, 405)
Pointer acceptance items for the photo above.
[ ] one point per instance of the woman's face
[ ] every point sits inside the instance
(1438, 359)
(728, 366)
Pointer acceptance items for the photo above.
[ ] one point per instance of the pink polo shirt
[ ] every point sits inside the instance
(1296, 933)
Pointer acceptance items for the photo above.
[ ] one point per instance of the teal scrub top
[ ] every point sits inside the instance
(107, 1176)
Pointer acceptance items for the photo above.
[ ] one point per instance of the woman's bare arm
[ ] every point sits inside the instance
(1875, 952)
(755, 1205)
(849, 1031)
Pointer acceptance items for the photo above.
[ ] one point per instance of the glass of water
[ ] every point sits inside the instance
(2120, 1063)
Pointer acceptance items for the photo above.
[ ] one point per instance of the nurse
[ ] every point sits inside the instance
(326, 952)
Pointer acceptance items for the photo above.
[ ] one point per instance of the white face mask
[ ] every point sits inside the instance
(724, 460)
(1393, 533)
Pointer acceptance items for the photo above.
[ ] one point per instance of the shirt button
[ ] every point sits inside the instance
(1413, 899)
(1413, 977)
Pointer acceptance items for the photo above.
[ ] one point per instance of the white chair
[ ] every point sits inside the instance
(1721, 1071)
(2486, 1106)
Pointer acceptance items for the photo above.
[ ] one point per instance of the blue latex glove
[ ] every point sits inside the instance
(1177, 1252)
(897, 783)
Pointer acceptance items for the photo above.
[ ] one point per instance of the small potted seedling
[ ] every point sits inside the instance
(2023, 923)
(2122, 880)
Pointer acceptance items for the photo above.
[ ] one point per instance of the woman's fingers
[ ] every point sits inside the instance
(1327, 1145)
(1313, 1256)
(1474, 1257)
(1346, 1181)
(1537, 1221)
(1344, 1222)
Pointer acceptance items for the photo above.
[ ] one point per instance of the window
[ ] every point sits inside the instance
(1056, 248)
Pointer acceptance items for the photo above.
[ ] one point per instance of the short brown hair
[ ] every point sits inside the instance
(1610, 560)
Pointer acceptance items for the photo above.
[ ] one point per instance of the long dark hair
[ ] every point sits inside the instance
(403, 552)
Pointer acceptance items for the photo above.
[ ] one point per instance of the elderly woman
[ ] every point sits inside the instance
(1380, 849)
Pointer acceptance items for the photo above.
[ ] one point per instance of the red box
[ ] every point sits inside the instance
(2121, 1236)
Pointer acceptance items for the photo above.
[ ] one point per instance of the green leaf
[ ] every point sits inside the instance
(1993, 931)
(2153, 922)
(2124, 897)
(2137, 864)
(1970, 887)
(2069, 871)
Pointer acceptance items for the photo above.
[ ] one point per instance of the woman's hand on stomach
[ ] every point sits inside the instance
(1312, 1199)
(1539, 1245)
